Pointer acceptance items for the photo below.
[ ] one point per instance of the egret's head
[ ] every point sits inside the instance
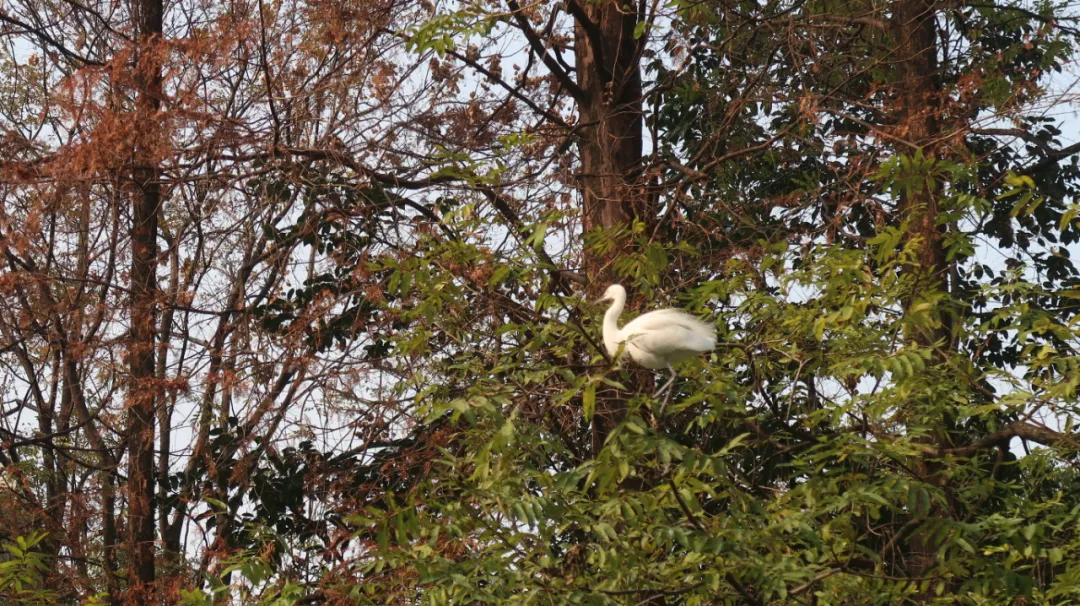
(613, 293)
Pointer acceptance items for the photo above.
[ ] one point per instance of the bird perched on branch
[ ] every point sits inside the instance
(658, 339)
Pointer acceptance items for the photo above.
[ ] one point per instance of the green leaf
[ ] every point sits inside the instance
(588, 401)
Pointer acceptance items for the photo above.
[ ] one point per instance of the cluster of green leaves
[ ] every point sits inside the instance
(786, 466)
(258, 584)
(23, 568)
(847, 442)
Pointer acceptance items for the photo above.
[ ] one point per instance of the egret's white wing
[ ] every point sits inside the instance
(662, 318)
(669, 330)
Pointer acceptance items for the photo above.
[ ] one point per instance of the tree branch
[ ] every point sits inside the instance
(1020, 134)
(48, 40)
(514, 91)
(1051, 159)
(1029, 14)
(1020, 429)
(511, 217)
(538, 47)
(497, 79)
(748, 597)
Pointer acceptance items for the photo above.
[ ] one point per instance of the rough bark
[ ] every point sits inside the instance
(165, 406)
(608, 60)
(609, 98)
(916, 112)
(918, 99)
(146, 201)
(609, 75)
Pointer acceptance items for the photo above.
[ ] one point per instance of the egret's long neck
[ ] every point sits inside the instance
(612, 334)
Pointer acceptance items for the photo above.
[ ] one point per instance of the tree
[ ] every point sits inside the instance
(169, 202)
(145, 209)
(359, 240)
(862, 374)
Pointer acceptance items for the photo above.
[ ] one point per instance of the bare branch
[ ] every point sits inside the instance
(47, 40)
(1028, 431)
(538, 47)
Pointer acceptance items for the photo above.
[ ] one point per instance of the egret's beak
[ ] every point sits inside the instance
(600, 300)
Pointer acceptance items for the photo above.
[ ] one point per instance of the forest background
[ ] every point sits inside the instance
(293, 301)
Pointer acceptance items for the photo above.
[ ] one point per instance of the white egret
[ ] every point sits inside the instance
(658, 339)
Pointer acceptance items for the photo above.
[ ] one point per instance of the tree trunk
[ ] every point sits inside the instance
(146, 201)
(608, 74)
(918, 100)
(610, 115)
(165, 406)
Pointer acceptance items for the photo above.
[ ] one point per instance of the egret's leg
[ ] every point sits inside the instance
(667, 385)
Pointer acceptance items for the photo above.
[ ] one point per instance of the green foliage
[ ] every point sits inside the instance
(443, 32)
(257, 584)
(23, 571)
(853, 440)
(890, 414)
(784, 467)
